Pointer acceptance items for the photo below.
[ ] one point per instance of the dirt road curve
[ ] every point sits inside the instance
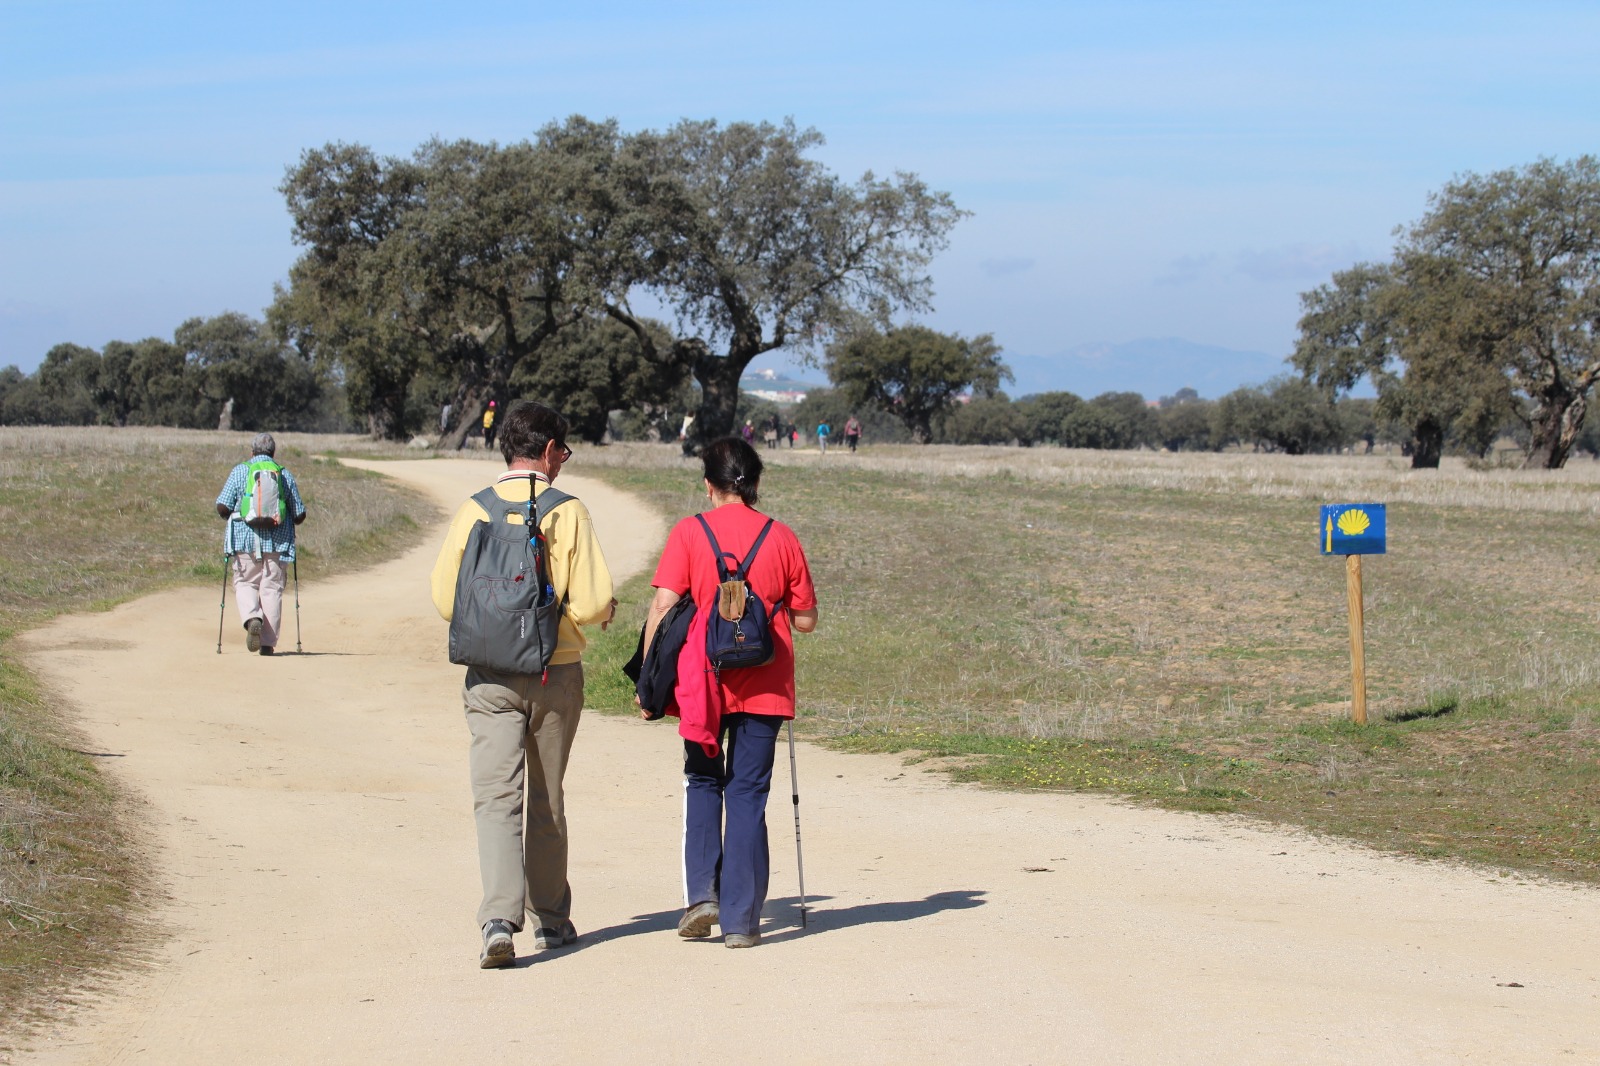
(315, 837)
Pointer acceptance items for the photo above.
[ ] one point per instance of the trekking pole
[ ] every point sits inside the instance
(295, 566)
(227, 560)
(799, 862)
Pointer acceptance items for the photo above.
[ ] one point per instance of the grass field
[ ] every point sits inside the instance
(90, 518)
(1150, 626)
(1162, 627)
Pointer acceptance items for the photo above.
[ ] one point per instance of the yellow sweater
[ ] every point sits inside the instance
(577, 568)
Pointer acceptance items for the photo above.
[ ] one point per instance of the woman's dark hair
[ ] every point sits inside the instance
(732, 466)
(529, 428)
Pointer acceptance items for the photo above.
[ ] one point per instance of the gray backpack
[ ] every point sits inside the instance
(506, 615)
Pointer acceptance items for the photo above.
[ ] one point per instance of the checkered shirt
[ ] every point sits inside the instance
(240, 539)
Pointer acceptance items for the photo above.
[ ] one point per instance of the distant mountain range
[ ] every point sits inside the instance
(1153, 367)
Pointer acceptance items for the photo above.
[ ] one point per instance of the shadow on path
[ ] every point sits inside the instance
(788, 918)
(827, 919)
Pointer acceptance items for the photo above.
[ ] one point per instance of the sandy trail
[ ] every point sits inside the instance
(316, 842)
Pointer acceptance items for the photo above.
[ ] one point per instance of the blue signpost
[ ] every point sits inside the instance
(1353, 530)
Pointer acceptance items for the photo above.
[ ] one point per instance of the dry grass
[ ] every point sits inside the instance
(1164, 627)
(88, 518)
(1326, 478)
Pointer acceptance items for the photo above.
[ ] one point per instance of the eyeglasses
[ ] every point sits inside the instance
(566, 452)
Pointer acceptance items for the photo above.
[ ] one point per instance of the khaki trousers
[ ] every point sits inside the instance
(521, 736)
(258, 585)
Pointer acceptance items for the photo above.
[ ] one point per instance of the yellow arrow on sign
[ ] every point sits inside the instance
(1329, 548)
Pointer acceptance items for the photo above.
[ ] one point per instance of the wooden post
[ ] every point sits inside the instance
(1358, 658)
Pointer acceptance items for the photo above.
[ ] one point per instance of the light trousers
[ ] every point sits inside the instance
(258, 590)
(522, 734)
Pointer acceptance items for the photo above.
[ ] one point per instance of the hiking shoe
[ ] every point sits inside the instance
(498, 950)
(266, 650)
(741, 940)
(252, 640)
(698, 920)
(547, 938)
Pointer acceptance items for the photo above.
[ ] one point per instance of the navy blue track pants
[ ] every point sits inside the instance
(725, 820)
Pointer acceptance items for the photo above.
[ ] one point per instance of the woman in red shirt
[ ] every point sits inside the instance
(730, 719)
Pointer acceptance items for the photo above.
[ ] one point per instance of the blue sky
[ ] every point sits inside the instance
(1135, 169)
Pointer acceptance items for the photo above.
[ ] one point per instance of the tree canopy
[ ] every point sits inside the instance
(914, 372)
(469, 255)
(183, 382)
(1487, 312)
(465, 259)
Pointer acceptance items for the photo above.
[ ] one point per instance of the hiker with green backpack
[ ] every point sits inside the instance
(519, 572)
(261, 504)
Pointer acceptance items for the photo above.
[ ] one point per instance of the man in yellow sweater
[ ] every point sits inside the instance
(522, 726)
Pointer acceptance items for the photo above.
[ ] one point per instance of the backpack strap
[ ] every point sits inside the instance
(743, 570)
(548, 501)
(545, 502)
(499, 509)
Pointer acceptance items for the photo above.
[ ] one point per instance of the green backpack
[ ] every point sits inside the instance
(264, 504)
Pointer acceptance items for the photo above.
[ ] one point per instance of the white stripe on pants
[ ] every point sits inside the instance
(258, 590)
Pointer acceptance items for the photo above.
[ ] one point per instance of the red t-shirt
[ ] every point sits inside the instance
(780, 572)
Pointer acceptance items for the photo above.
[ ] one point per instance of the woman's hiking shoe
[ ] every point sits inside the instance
(252, 640)
(697, 921)
(547, 938)
(741, 940)
(497, 947)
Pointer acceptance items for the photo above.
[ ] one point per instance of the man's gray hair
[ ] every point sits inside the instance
(263, 444)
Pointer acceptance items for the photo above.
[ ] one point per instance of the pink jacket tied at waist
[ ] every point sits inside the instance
(698, 692)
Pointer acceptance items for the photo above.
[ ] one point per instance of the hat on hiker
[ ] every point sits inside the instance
(491, 403)
(263, 444)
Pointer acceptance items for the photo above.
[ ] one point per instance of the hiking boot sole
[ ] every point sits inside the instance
(697, 921)
(741, 940)
(252, 640)
(498, 956)
(548, 939)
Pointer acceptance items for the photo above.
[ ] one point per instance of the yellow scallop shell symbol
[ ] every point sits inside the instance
(1353, 523)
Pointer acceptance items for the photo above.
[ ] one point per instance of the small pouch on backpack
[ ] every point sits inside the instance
(730, 599)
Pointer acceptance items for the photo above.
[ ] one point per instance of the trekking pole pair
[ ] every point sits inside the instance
(222, 610)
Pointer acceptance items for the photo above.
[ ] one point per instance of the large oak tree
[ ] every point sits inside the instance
(1491, 298)
(915, 373)
(467, 255)
(755, 245)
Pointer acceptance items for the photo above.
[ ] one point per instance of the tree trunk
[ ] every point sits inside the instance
(1556, 423)
(386, 416)
(471, 400)
(1427, 445)
(718, 377)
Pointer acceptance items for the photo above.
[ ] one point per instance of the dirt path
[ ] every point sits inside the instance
(316, 842)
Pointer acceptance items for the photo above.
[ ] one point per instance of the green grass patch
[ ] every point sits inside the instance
(93, 518)
(1176, 639)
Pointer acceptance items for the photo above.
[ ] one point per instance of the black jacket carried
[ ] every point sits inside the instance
(654, 672)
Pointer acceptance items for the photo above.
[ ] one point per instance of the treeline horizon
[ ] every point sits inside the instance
(432, 285)
(185, 383)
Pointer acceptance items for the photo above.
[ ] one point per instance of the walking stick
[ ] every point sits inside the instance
(295, 565)
(227, 560)
(799, 862)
